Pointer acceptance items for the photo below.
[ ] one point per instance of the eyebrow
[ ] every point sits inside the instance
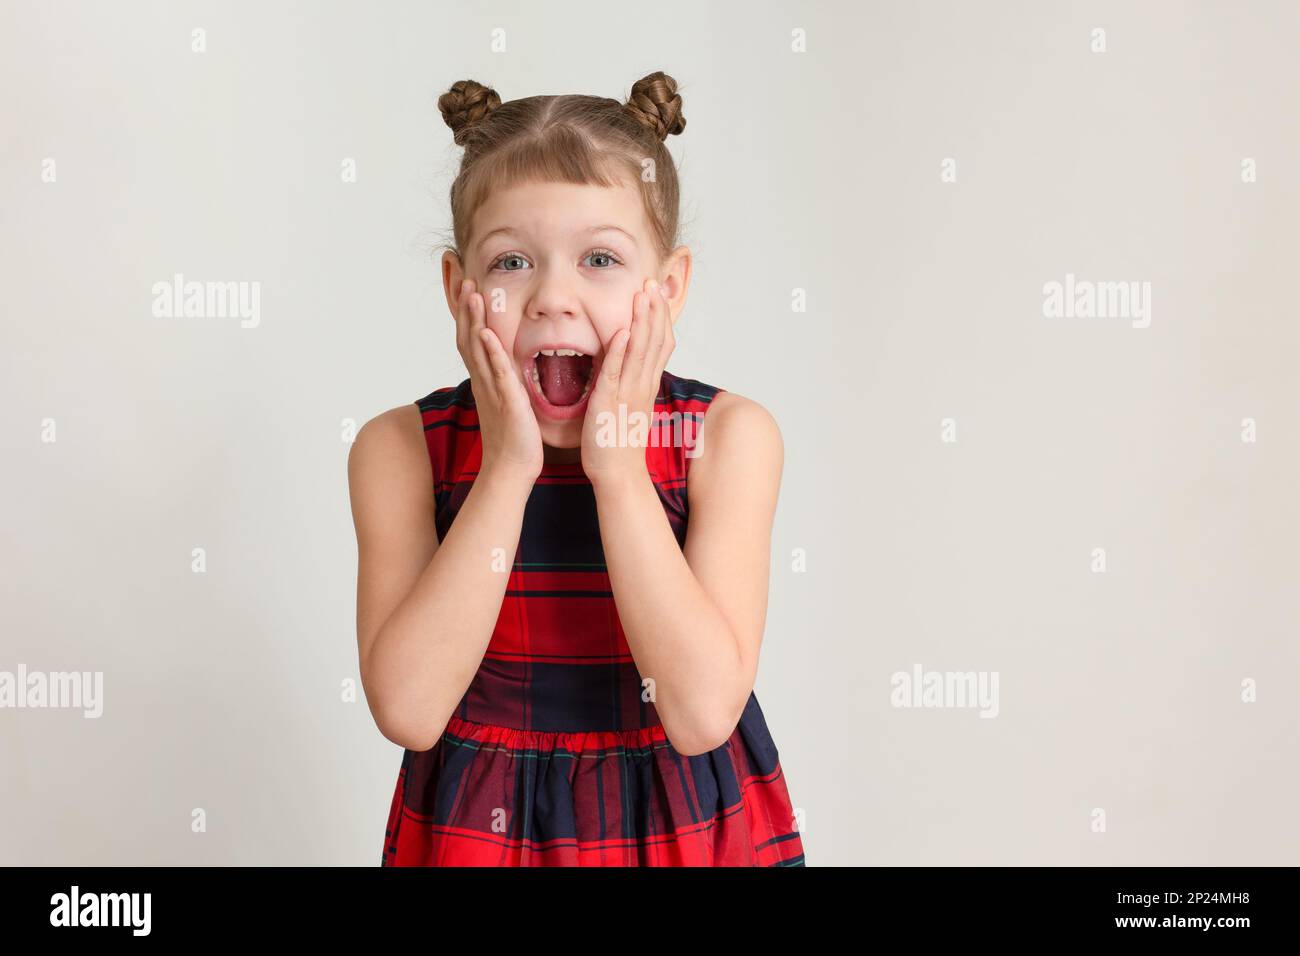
(510, 230)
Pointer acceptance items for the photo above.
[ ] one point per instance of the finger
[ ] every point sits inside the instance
(510, 388)
(611, 369)
(478, 309)
(497, 361)
(479, 361)
(658, 332)
(458, 314)
(638, 339)
(466, 334)
(670, 337)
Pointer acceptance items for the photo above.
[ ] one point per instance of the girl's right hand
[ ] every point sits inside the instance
(512, 442)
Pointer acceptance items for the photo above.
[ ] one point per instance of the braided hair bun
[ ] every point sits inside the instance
(655, 104)
(466, 103)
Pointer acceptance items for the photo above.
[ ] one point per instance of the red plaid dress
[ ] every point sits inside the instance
(553, 758)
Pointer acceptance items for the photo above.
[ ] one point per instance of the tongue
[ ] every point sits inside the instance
(563, 377)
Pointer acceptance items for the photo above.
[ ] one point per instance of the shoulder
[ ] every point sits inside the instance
(737, 437)
(720, 412)
(737, 415)
(390, 447)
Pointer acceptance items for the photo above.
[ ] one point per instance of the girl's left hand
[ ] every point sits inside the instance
(614, 441)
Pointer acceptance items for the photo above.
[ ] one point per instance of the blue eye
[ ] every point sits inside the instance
(605, 254)
(506, 258)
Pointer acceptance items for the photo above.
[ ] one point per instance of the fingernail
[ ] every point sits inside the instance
(654, 286)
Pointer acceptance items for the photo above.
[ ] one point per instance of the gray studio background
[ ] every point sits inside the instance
(819, 171)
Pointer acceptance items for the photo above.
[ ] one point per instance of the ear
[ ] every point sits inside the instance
(675, 279)
(452, 274)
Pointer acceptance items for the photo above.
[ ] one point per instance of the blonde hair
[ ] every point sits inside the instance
(574, 138)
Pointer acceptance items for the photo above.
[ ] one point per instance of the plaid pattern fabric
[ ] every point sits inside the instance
(552, 757)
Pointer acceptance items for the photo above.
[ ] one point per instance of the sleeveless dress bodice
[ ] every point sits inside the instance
(555, 756)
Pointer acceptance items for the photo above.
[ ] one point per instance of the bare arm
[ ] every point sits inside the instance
(425, 612)
(696, 624)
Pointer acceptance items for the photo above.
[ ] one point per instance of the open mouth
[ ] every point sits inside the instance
(560, 380)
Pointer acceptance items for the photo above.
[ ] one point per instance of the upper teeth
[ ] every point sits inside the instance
(557, 352)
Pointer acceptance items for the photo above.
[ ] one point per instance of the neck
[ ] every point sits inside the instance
(560, 456)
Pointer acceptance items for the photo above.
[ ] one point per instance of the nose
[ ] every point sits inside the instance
(552, 297)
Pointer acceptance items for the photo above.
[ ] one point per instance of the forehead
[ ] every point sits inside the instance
(559, 210)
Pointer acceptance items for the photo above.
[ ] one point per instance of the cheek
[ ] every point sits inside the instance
(503, 324)
(614, 313)
(607, 327)
(496, 301)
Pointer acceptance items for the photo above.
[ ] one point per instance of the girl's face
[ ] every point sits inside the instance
(558, 265)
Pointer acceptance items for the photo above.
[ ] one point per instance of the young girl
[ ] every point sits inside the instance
(563, 573)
